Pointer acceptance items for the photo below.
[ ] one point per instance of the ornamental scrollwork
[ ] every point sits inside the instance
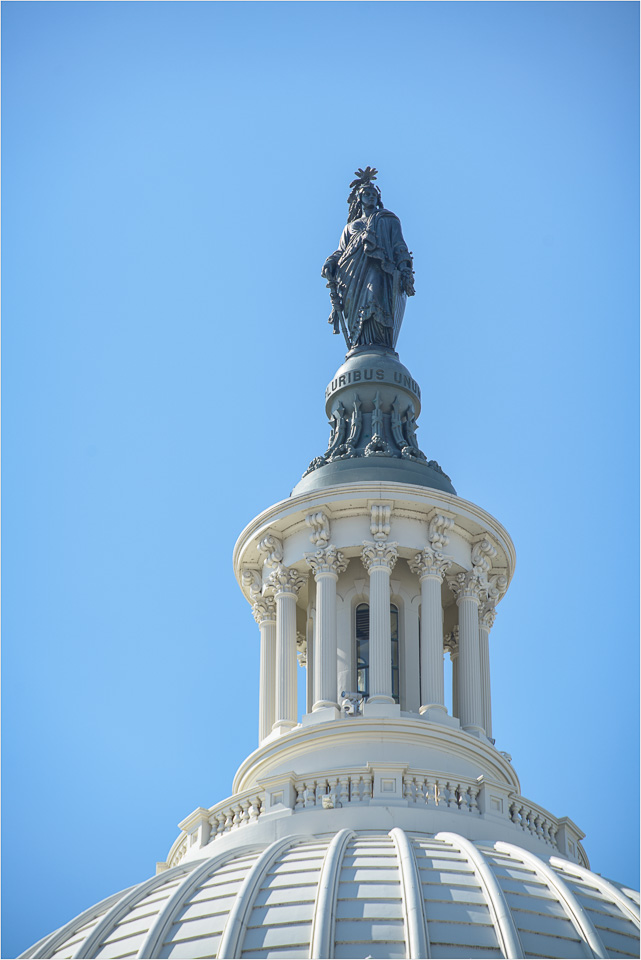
(379, 525)
(483, 552)
(253, 582)
(327, 560)
(273, 547)
(379, 554)
(319, 522)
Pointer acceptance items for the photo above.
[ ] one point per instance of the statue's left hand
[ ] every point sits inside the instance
(407, 282)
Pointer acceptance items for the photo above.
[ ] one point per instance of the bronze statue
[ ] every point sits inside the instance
(370, 276)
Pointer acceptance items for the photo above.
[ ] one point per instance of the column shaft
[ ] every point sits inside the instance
(286, 699)
(325, 652)
(455, 707)
(267, 699)
(380, 634)
(432, 683)
(470, 706)
(486, 696)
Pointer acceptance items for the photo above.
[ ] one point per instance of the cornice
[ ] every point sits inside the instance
(297, 508)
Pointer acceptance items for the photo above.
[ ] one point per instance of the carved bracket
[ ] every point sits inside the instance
(379, 526)
(273, 547)
(319, 522)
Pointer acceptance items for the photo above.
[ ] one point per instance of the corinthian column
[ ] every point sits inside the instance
(487, 615)
(326, 564)
(431, 565)
(286, 583)
(469, 590)
(379, 559)
(265, 616)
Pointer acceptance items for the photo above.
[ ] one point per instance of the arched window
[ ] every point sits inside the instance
(362, 650)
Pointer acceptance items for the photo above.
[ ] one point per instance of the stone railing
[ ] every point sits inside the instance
(489, 800)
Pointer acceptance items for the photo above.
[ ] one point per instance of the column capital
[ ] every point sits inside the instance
(450, 642)
(379, 554)
(286, 580)
(468, 585)
(487, 615)
(264, 609)
(430, 563)
(327, 560)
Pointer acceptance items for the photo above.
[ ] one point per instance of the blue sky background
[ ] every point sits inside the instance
(174, 175)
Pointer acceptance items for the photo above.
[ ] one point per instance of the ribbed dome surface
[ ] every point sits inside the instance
(357, 894)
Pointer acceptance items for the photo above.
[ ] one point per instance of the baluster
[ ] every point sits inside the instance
(229, 819)
(252, 811)
(431, 792)
(447, 794)
(553, 832)
(367, 788)
(321, 790)
(309, 793)
(332, 786)
(474, 804)
(514, 817)
(245, 805)
(300, 797)
(343, 791)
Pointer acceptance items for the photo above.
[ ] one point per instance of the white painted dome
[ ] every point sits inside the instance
(357, 894)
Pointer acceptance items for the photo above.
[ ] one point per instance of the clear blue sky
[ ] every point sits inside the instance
(174, 175)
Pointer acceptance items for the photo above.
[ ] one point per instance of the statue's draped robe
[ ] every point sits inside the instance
(369, 254)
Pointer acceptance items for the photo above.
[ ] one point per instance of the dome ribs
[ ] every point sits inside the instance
(322, 939)
(506, 931)
(417, 939)
(575, 912)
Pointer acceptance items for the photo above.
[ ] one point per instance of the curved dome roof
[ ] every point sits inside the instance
(361, 894)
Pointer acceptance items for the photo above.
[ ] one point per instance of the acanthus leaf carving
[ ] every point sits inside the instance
(379, 553)
(468, 585)
(264, 609)
(286, 580)
(327, 560)
(429, 563)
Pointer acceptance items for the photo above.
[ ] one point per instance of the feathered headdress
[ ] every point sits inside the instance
(368, 175)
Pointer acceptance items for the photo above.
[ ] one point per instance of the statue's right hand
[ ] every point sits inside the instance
(329, 270)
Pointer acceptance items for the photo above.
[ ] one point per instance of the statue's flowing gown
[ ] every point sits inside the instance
(368, 278)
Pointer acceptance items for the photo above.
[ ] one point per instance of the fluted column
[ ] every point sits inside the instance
(431, 566)
(286, 583)
(379, 559)
(265, 615)
(454, 659)
(326, 564)
(468, 589)
(487, 615)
